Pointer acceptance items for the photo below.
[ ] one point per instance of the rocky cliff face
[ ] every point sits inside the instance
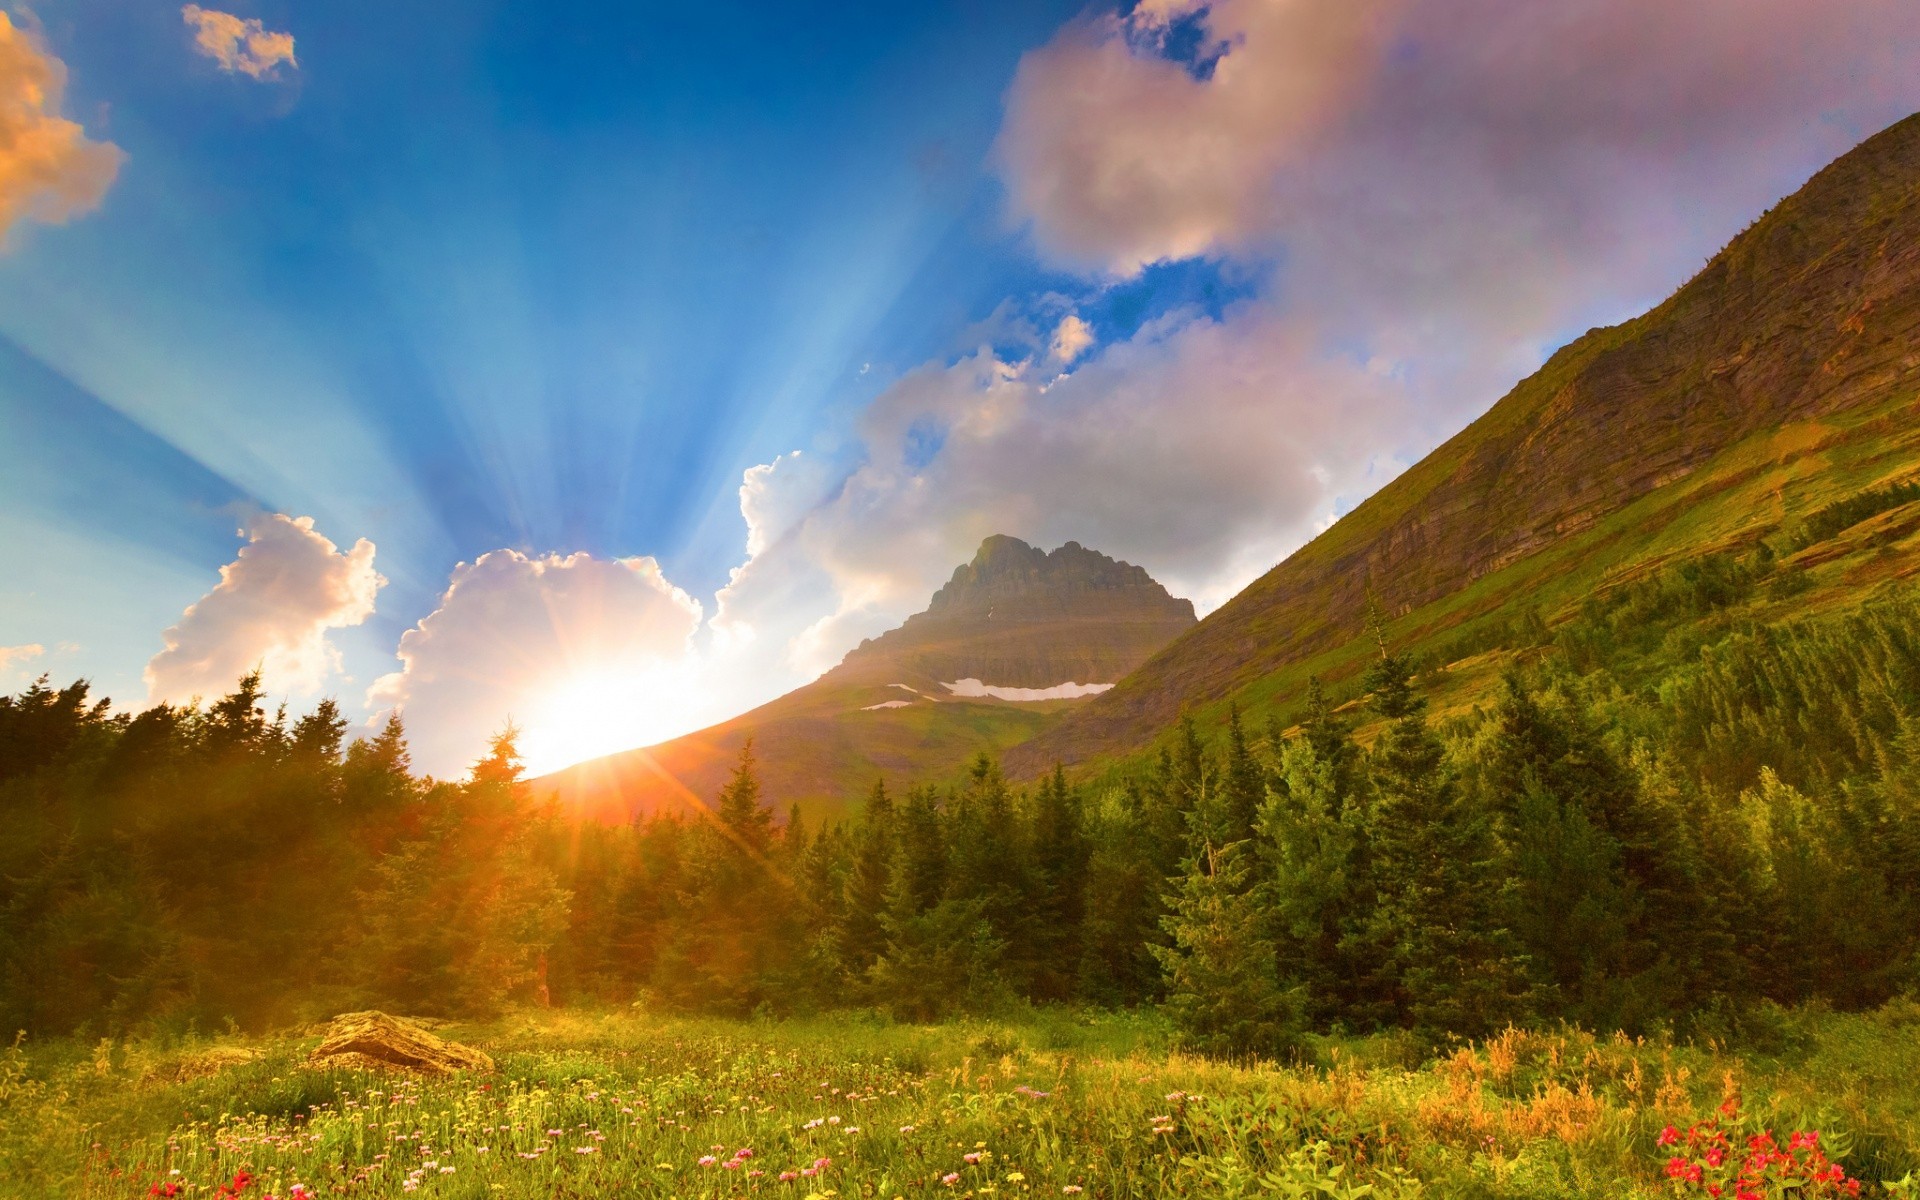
(1020, 617)
(1813, 311)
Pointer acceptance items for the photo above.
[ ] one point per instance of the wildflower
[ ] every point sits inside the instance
(821, 1164)
(788, 1176)
(1072, 1189)
(732, 1164)
(1016, 1177)
(707, 1160)
(906, 1131)
(950, 1178)
(833, 1120)
(973, 1157)
(584, 1149)
(1669, 1136)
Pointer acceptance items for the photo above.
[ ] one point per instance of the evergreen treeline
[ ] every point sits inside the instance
(1619, 847)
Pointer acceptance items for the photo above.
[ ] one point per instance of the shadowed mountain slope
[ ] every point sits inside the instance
(1777, 379)
(1018, 622)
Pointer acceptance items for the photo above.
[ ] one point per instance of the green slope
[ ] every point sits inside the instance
(1780, 379)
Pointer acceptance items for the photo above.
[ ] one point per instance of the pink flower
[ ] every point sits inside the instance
(972, 1157)
(743, 1153)
(951, 1178)
(789, 1176)
(707, 1160)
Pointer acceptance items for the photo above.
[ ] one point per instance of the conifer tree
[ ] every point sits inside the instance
(1449, 965)
(1222, 990)
(860, 938)
(1242, 782)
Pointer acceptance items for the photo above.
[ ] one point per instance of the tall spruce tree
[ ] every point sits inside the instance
(1450, 966)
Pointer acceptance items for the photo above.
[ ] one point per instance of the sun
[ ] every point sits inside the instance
(592, 713)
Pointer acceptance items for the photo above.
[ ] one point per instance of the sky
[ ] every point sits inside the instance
(611, 368)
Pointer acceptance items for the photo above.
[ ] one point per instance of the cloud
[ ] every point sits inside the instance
(240, 46)
(1467, 145)
(585, 655)
(272, 608)
(13, 658)
(49, 170)
(1123, 156)
(1072, 338)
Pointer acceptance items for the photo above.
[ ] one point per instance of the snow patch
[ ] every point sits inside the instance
(888, 704)
(973, 689)
(916, 691)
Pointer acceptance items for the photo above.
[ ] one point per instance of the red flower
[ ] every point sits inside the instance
(1669, 1136)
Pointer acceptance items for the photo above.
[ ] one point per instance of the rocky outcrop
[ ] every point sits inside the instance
(1020, 617)
(374, 1039)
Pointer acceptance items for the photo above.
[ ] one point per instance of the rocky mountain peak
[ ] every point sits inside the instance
(1019, 616)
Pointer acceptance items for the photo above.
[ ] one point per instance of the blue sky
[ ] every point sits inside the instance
(569, 286)
(481, 275)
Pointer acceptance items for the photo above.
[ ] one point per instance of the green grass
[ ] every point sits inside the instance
(627, 1105)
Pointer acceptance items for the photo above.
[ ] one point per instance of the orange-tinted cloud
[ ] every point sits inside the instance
(240, 46)
(272, 608)
(49, 170)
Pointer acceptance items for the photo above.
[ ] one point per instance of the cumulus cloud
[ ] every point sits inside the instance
(49, 170)
(1460, 147)
(1071, 338)
(585, 655)
(272, 608)
(240, 46)
(1125, 157)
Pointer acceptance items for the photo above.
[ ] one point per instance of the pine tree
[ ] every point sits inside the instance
(861, 937)
(1450, 966)
(1312, 896)
(1223, 993)
(1060, 854)
(745, 820)
(1242, 783)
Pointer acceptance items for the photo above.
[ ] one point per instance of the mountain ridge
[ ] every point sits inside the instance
(1806, 313)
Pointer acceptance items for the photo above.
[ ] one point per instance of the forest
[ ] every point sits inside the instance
(1669, 818)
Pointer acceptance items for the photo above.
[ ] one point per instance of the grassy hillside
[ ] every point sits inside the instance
(1056, 1105)
(1782, 379)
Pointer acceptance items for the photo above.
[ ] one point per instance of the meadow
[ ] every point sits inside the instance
(1053, 1103)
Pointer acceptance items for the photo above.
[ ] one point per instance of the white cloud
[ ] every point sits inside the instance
(49, 170)
(1072, 338)
(240, 46)
(272, 608)
(587, 656)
